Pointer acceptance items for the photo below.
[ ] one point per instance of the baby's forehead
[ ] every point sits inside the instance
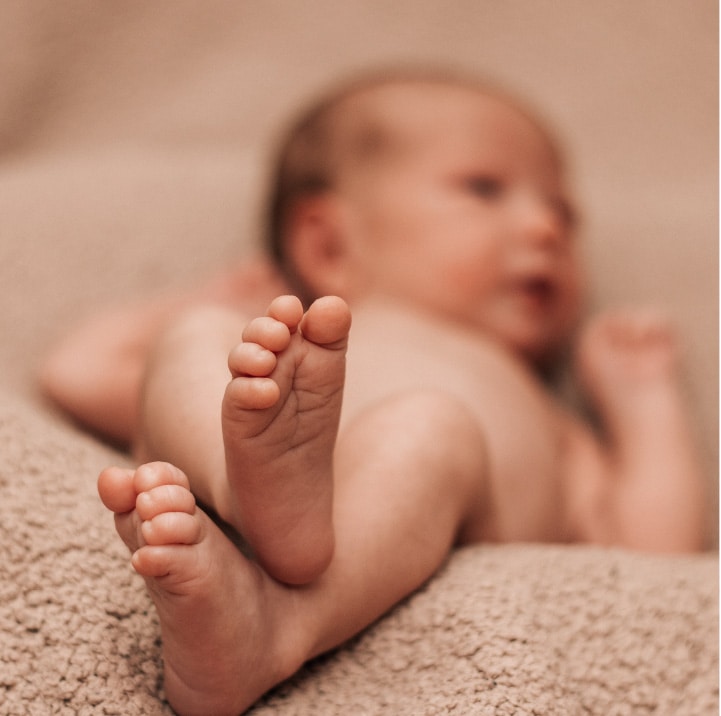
(411, 114)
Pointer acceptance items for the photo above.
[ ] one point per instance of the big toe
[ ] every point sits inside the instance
(116, 489)
(327, 322)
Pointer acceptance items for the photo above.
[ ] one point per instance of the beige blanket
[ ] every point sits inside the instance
(518, 629)
(133, 138)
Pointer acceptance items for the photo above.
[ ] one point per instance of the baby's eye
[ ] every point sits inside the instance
(565, 212)
(488, 187)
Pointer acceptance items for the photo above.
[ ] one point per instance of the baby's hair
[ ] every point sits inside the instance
(332, 133)
(309, 159)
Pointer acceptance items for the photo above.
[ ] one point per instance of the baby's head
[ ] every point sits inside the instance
(433, 190)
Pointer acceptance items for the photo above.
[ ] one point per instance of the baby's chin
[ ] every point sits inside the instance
(542, 352)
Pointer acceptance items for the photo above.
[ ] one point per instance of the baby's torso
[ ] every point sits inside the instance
(524, 427)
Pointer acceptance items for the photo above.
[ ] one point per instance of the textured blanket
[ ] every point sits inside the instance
(132, 146)
(517, 629)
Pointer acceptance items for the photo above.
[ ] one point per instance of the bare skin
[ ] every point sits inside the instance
(280, 418)
(201, 584)
(197, 578)
(629, 364)
(191, 566)
(457, 256)
(96, 371)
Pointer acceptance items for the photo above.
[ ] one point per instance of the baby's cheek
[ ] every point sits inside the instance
(472, 280)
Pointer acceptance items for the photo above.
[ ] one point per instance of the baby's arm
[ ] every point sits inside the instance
(655, 486)
(95, 373)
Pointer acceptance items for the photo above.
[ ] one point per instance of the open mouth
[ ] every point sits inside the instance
(538, 291)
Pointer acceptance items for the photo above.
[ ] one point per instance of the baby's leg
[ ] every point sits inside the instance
(220, 615)
(280, 419)
(629, 364)
(266, 469)
(409, 483)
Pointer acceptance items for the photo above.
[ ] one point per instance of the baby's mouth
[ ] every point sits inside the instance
(538, 291)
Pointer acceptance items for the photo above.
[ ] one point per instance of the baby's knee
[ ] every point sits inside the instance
(437, 426)
(449, 421)
(435, 412)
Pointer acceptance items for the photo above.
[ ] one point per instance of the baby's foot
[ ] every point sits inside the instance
(628, 363)
(280, 419)
(219, 614)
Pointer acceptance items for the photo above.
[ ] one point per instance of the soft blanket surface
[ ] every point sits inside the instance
(517, 629)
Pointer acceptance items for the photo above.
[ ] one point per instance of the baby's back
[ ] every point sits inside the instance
(393, 350)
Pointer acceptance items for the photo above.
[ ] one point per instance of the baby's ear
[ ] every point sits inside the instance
(318, 245)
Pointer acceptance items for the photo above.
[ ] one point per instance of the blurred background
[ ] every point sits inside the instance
(134, 139)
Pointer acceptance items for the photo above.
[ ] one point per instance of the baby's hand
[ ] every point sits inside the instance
(627, 345)
(625, 360)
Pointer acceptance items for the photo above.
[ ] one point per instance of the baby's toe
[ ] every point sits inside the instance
(165, 498)
(269, 333)
(287, 310)
(116, 489)
(251, 359)
(245, 393)
(327, 321)
(171, 528)
(154, 474)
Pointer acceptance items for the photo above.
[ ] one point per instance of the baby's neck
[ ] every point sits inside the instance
(406, 318)
(411, 316)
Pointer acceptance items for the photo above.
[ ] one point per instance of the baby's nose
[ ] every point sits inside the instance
(541, 222)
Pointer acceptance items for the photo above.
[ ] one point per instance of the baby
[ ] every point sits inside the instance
(436, 211)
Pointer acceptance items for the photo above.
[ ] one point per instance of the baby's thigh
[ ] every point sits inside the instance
(420, 450)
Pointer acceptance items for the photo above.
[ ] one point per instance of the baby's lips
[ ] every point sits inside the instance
(539, 289)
